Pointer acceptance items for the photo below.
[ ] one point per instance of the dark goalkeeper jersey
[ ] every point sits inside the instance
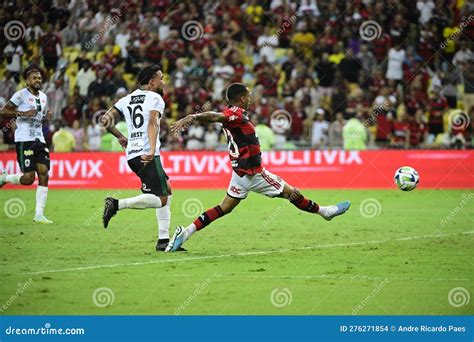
(242, 142)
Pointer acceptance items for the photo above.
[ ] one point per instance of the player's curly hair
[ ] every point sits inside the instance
(234, 91)
(147, 73)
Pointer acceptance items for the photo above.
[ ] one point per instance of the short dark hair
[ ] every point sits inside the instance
(147, 73)
(30, 70)
(234, 91)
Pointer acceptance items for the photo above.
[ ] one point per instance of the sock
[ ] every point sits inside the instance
(41, 196)
(190, 230)
(142, 201)
(305, 204)
(163, 216)
(14, 179)
(207, 217)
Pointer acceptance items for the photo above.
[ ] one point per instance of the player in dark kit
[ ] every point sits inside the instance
(248, 173)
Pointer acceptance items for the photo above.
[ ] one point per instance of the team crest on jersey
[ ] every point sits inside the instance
(31, 99)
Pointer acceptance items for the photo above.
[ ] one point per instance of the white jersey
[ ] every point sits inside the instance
(29, 128)
(136, 108)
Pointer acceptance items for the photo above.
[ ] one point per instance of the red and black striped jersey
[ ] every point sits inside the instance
(243, 144)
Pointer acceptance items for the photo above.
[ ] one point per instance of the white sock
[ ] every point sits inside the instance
(163, 216)
(142, 201)
(14, 179)
(326, 211)
(41, 196)
(190, 230)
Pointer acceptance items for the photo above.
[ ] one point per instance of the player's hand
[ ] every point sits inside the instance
(123, 142)
(182, 124)
(29, 113)
(146, 158)
(49, 115)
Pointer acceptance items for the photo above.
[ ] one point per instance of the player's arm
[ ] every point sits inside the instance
(152, 131)
(10, 110)
(201, 117)
(108, 121)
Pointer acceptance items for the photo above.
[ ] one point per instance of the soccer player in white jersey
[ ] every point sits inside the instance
(29, 105)
(142, 110)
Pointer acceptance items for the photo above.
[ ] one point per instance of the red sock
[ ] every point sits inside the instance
(305, 204)
(207, 217)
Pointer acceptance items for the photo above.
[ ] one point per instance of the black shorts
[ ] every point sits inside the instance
(153, 176)
(30, 153)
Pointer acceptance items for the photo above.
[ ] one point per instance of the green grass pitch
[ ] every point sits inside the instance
(393, 253)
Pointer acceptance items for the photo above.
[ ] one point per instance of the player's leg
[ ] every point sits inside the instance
(154, 188)
(163, 216)
(237, 191)
(268, 184)
(41, 193)
(181, 235)
(26, 160)
(301, 202)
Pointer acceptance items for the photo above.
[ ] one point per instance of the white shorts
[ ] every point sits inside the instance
(264, 183)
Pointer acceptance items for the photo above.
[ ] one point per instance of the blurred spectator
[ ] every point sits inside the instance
(85, 77)
(79, 135)
(354, 134)
(7, 86)
(335, 131)
(400, 135)
(195, 137)
(265, 134)
(468, 78)
(211, 138)
(51, 48)
(319, 131)
(437, 107)
(63, 140)
(396, 56)
(13, 53)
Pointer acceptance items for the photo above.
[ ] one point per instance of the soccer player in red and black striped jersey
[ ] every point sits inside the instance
(248, 172)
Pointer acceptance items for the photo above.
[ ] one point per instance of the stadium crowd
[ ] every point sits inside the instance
(396, 85)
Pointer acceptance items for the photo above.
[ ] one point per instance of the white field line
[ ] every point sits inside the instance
(317, 276)
(336, 245)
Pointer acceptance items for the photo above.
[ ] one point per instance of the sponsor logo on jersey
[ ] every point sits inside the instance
(235, 190)
(135, 151)
(28, 153)
(136, 135)
(233, 117)
(137, 99)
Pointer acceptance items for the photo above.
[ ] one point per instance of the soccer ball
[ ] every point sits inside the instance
(406, 178)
